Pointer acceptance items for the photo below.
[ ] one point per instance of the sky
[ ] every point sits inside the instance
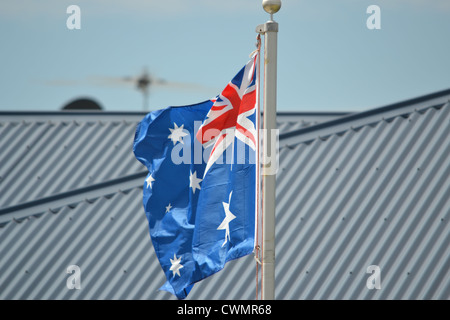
(328, 59)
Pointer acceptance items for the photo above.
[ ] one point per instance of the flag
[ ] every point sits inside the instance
(200, 192)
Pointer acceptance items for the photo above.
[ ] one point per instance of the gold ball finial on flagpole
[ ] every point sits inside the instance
(271, 6)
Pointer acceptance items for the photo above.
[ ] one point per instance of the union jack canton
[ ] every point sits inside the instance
(233, 114)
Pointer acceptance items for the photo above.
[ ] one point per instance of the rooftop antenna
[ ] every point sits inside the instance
(143, 84)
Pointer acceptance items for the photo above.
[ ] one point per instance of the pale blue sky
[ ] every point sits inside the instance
(328, 60)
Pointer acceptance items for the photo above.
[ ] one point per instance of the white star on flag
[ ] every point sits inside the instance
(177, 134)
(225, 225)
(149, 181)
(194, 182)
(168, 208)
(176, 265)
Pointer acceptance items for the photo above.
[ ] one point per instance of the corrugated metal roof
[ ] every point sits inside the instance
(293, 121)
(352, 121)
(379, 195)
(47, 156)
(106, 237)
(373, 192)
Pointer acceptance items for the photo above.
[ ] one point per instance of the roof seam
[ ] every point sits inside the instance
(71, 193)
(344, 120)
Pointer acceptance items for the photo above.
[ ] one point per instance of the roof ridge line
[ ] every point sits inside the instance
(391, 111)
(66, 198)
(72, 113)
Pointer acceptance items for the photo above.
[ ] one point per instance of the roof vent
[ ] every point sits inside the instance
(82, 104)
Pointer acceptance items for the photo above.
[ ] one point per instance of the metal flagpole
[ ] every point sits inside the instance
(270, 32)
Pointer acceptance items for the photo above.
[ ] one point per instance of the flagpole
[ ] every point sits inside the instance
(270, 32)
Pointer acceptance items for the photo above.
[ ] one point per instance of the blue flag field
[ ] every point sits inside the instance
(200, 193)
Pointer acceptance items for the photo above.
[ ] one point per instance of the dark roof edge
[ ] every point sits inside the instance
(71, 113)
(312, 113)
(85, 113)
(30, 208)
(366, 117)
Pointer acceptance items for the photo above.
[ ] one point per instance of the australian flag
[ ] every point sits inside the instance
(200, 192)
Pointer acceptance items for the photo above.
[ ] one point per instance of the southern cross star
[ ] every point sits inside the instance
(177, 134)
(225, 225)
(176, 265)
(149, 181)
(194, 182)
